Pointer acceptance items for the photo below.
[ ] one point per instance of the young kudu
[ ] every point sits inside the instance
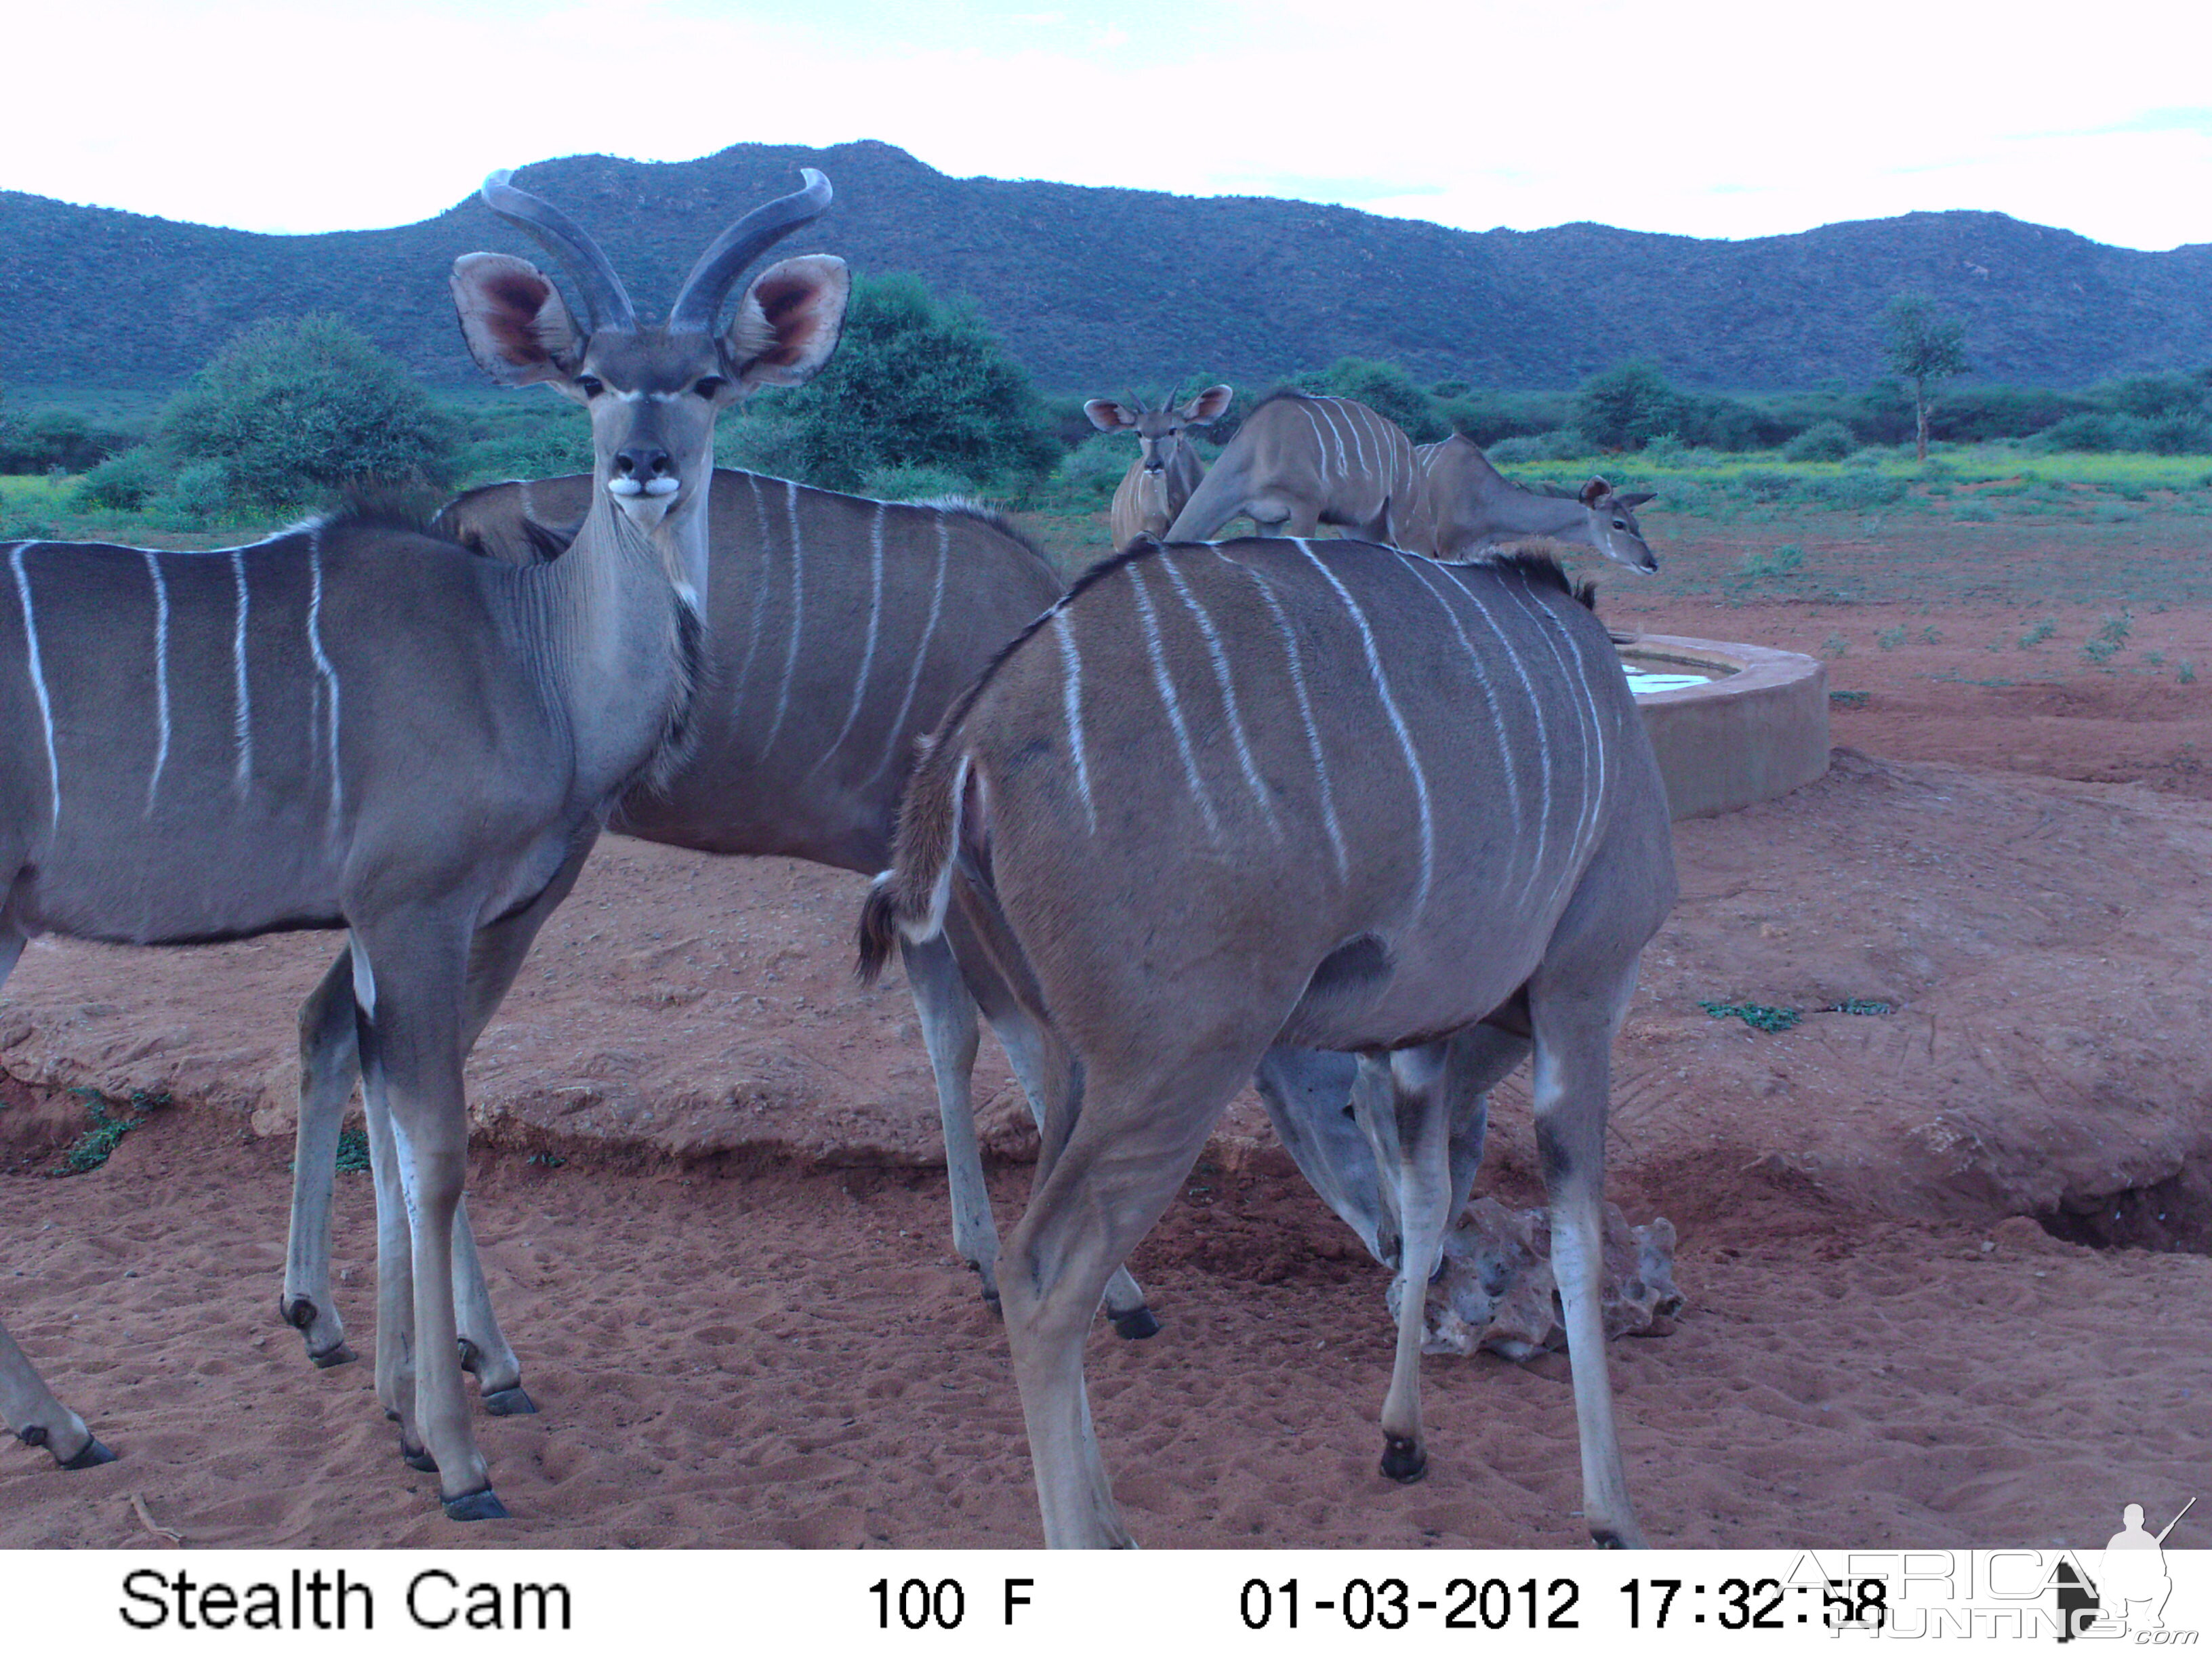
(1167, 469)
(1299, 462)
(1321, 793)
(356, 725)
(837, 632)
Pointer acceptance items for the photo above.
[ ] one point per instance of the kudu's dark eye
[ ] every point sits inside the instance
(590, 385)
(1621, 524)
(708, 385)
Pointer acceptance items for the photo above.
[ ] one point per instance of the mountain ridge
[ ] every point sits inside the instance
(1099, 287)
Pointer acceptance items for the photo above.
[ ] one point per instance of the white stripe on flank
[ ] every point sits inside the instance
(1214, 649)
(1320, 444)
(1592, 741)
(1071, 693)
(1166, 685)
(1397, 723)
(920, 652)
(868, 651)
(1356, 425)
(37, 679)
(1536, 719)
(760, 593)
(798, 618)
(323, 665)
(1430, 574)
(244, 720)
(160, 674)
(1336, 435)
(1305, 716)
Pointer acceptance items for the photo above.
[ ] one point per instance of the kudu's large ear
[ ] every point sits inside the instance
(1209, 406)
(1594, 491)
(518, 327)
(1636, 498)
(1107, 416)
(788, 323)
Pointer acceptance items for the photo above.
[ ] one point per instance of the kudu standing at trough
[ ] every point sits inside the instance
(1167, 469)
(356, 725)
(1325, 794)
(1299, 462)
(837, 632)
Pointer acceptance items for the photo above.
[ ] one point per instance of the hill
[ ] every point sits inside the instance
(1097, 289)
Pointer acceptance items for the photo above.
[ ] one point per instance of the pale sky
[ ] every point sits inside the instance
(1705, 117)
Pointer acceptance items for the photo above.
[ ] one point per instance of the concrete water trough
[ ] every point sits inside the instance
(1732, 723)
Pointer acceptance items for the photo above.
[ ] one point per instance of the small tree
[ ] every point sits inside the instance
(1388, 389)
(296, 407)
(1627, 405)
(1925, 349)
(917, 382)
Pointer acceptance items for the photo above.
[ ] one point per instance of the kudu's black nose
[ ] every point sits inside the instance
(644, 462)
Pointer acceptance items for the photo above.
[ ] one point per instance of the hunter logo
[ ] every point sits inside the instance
(2129, 1594)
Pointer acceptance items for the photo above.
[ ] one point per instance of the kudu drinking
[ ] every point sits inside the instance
(1299, 462)
(1167, 468)
(354, 725)
(1319, 793)
(837, 632)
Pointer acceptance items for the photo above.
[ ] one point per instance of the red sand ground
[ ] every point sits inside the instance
(739, 1312)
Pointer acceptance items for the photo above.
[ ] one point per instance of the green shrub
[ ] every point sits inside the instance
(908, 483)
(1781, 562)
(57, 439)
(1566, 444)
(124, 482)
(296, 408)
(1857, 491)
(1089, 473)
(917, 381)
(1830, 441)
(1627, 404)
(1974, 512)
(203, 496)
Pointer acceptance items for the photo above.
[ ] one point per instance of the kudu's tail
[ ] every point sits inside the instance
(908, 900)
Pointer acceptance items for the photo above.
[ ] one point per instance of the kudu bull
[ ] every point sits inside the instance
(358, 725)
(1299, 462)
(837, 632)
(1327, 794)
(1167, 469)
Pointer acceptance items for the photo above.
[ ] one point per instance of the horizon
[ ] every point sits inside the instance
(771, 144)
(1728, 124)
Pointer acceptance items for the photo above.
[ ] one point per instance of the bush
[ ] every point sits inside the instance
(908, 482)
(50, 439)
(1855, 491)
(1092, 470)
(1627, 404)
(1564, 444)
(124, 482)
(295, 408)
(1488, 416)
(917, 382)
(204, 494)
(1831, 441)
(1388, 389)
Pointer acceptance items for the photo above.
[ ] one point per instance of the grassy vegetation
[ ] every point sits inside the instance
(107, 1129)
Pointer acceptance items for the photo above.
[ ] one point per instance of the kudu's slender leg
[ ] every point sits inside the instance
(1574, 1026)
(1437, 1109)
(1133, 1144)
(948, 1032)
(990, 966)
(26, 1405)
(410, 1041)
(328, 1062)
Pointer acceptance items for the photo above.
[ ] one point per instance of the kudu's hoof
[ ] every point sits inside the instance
(510, 1402)
(341, 1355)
(1606, 1539)
(1136, 1325)
(481, 1505)
(1403, 1460)
(91, 1457)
